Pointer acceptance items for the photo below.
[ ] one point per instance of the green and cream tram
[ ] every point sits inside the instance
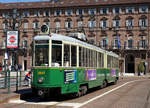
(62, 64)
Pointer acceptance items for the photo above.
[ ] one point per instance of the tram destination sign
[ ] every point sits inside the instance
(12, 39)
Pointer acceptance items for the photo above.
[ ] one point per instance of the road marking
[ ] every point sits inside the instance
(69, 104)
(16, 101)
(86, 102)
(45, 103)
(39, 103)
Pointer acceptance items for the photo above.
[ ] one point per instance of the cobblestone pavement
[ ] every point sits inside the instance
(129, 92)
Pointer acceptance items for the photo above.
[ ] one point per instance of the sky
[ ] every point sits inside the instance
(12, 1)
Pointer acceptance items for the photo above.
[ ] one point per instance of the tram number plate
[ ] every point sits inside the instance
(41, 73)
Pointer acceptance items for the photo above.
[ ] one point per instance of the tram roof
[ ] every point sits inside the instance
(60, 37)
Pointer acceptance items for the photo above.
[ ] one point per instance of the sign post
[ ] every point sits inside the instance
(12, 42)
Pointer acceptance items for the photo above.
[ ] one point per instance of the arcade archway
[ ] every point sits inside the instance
(130, 64)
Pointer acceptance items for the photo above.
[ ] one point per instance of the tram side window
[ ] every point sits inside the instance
(109, 61)
(73, 56)
(100, 60)
(66, 55)
(90, 60)
(116, 62)
(95, 58)
(86, 57)
(56, 55)
(81, 56)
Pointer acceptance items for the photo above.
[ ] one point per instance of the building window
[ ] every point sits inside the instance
(142, 44)
(4, 43)
(117, 43)
(5, 15)
(36, 13)
(80, 24)
(143, 9)
(36, 25)
(92, 24)
(103, 23)
(116, 10)
(24, 43)
(80, 12)
(57, 24)
(143, 22)
(5, 25)
(26, 14)
(104, 43)
(68, 24)
(57, 13)
(116, 23)
(129, 22)
(143, 56)
(92, 11)
(104, 10)
(68, 12)
(26, 25)
(46, 13)
(130, 43)
(130, 10)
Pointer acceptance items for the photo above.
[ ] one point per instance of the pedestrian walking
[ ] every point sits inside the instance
(27, 78)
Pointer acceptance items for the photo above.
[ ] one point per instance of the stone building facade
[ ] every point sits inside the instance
(117, 25)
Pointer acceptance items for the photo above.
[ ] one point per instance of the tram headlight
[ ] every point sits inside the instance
(40, 80)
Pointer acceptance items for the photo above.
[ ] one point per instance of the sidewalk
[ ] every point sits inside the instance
(5, 97)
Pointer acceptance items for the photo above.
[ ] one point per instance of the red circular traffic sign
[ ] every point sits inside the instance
(12, 39)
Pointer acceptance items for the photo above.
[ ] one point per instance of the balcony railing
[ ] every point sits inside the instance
(123, 47)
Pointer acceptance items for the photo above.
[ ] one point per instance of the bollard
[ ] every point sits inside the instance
(8, 71)
(5, 70)
(17, 81)
(20, 79)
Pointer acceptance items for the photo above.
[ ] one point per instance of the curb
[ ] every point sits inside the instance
(5, 100)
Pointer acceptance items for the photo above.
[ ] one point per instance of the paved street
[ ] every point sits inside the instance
(129, 92)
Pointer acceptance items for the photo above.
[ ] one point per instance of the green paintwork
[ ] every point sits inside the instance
(55, 77)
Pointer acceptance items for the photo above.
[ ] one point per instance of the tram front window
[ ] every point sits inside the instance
(41, 55)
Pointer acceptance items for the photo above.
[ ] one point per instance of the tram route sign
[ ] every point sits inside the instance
(70, 76)
(12, 39)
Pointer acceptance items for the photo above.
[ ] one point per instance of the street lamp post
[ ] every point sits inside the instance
(12, 20)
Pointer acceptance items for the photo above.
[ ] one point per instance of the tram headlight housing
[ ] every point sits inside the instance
(40, 80)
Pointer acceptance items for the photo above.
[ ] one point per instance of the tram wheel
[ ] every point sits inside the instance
(78, 94)
(41, 94)
(115, 82)
(83, 90)
(104, 83)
